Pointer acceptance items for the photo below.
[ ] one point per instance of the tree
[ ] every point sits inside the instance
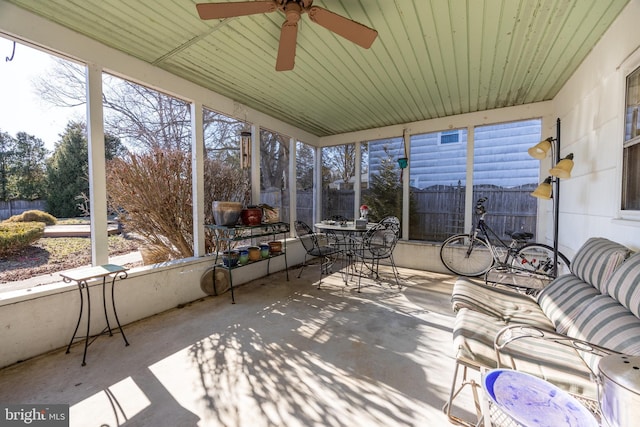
(68, 170)
(29, 168)
(7, 144)
(146, 117)
(384, 196)
(143, 117)
(339, 163)
(22, 167)
(304, 166)
(222, 136)
(274, 159)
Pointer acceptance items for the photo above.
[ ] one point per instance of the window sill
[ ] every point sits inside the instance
(628, 221)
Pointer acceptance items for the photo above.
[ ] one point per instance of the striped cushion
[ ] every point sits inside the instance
(624, 285)
(606, 323)
(564, 298)
(473, 335)
(596, 260)
(504, 304)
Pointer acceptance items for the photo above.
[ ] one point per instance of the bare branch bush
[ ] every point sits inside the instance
(153, 190)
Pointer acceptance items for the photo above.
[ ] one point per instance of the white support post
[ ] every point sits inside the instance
(469, 203)
(256, 156)
(97, 170)
(197, 178)
(405, 186)
(293, 185)
(357, 182)
(317, 187)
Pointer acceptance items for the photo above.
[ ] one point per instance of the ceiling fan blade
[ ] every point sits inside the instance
(287, 46)
(230, 10)
(351, 30)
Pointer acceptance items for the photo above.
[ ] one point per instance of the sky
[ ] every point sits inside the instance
(20, 108)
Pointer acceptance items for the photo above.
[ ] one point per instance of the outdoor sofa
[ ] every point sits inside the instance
(561, 334)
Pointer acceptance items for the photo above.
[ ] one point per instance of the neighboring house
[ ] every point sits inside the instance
(440, 158)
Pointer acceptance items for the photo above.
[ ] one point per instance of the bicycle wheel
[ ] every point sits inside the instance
(466, 257)
(538, 257)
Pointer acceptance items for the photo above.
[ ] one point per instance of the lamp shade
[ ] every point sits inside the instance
(540, 150)
(563, 168)
(544, 190)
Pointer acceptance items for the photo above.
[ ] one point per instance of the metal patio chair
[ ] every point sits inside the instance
(377, 244)
(311, 242)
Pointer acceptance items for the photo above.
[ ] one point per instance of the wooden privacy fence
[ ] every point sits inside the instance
(337, 202)
(304, 208)
(16, 207)
(438, 211)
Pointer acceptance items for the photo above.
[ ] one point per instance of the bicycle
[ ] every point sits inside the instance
(475, 253)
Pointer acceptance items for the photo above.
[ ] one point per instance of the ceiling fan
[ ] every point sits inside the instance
(351, 30)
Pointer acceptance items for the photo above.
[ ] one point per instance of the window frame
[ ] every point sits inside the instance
(631, 65)
(633, 140)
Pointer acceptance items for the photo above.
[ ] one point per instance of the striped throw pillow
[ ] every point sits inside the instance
(624, 285)
(596, 260)
(564, 298)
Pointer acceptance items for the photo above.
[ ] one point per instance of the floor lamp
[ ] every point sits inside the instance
(550, 187)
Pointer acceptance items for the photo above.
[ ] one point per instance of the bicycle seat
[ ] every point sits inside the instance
(520, 235)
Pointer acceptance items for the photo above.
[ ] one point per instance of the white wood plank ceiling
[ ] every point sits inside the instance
(432, 58)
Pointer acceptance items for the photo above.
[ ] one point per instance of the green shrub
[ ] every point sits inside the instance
(15, 236)
(34, 216)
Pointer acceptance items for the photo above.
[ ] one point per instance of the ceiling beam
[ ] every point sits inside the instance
(479, 118)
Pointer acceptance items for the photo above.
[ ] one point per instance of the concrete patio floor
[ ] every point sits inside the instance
(287, 354)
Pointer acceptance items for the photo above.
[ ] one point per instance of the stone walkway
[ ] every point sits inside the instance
(74, 230)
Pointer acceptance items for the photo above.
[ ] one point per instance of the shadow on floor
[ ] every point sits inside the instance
(285, 354)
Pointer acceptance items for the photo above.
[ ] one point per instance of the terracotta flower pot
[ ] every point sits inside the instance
(254, 253)
(275, 247)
